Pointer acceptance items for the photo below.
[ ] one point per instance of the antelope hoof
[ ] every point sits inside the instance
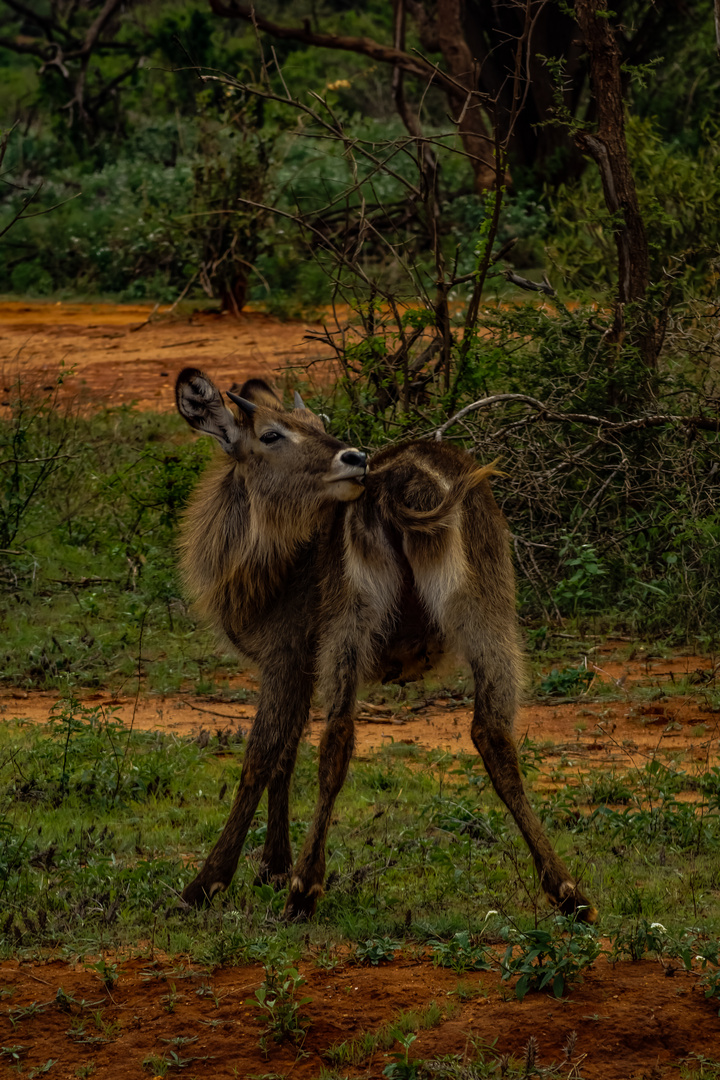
(197, 894)
(300, 904)
(277, 879)
(571, 901)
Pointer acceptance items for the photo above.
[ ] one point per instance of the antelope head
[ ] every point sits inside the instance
(282, 454)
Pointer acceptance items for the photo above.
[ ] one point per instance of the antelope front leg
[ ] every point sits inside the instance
(334, 753)
(281, 715)
(360, 613)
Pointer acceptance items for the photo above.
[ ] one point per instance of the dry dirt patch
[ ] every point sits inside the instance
(119, 357)
(593, 731)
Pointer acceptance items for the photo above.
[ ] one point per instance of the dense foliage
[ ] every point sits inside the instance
(150, 153)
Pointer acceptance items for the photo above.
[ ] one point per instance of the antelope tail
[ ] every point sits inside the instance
(439, 517)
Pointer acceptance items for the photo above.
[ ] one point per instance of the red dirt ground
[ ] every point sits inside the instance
(632, 1020)
(119, 357)
(595, 733)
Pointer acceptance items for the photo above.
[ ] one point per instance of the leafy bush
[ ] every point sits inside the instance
(549, 960)
(376, 951)
(678, 190)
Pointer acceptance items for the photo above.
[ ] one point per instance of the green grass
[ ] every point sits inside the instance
(100, 828)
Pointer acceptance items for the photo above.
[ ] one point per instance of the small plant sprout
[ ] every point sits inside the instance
(402, 1068)
(107, 973)
(13, 1053)
(277, 1000)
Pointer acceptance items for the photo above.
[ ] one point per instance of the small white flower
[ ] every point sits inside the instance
(658, 926)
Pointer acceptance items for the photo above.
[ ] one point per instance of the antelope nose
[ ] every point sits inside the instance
(354, 457)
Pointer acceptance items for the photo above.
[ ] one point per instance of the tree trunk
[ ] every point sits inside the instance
(473, 129)
(233, 294)
(608, 147)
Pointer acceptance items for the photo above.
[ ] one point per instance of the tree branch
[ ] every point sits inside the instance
(364, 46)
(705, 423)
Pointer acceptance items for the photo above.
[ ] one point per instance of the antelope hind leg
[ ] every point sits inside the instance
(494, 741)
(276, 861)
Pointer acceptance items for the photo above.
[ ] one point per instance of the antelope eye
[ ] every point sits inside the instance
(270, 437)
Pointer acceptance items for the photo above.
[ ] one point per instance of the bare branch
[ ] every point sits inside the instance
(36, 213)
(530, 286)
(335, 132)
(109, 8)
(362, 45)
(705, 423)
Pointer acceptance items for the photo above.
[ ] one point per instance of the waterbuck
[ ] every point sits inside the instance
(325, 571)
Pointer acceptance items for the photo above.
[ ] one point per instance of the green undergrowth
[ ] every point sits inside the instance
(101, 827)
(90, 507)
(89, 514)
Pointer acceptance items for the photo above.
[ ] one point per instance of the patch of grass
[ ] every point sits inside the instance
(460, 954)
(88, 589)
(699, 1067)
(467, 991)
(156, 1065)
(359, 1051)
(481, 1061)
(566, 683)
(99, 824)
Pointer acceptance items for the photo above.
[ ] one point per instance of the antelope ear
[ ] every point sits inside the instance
(200, 403)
